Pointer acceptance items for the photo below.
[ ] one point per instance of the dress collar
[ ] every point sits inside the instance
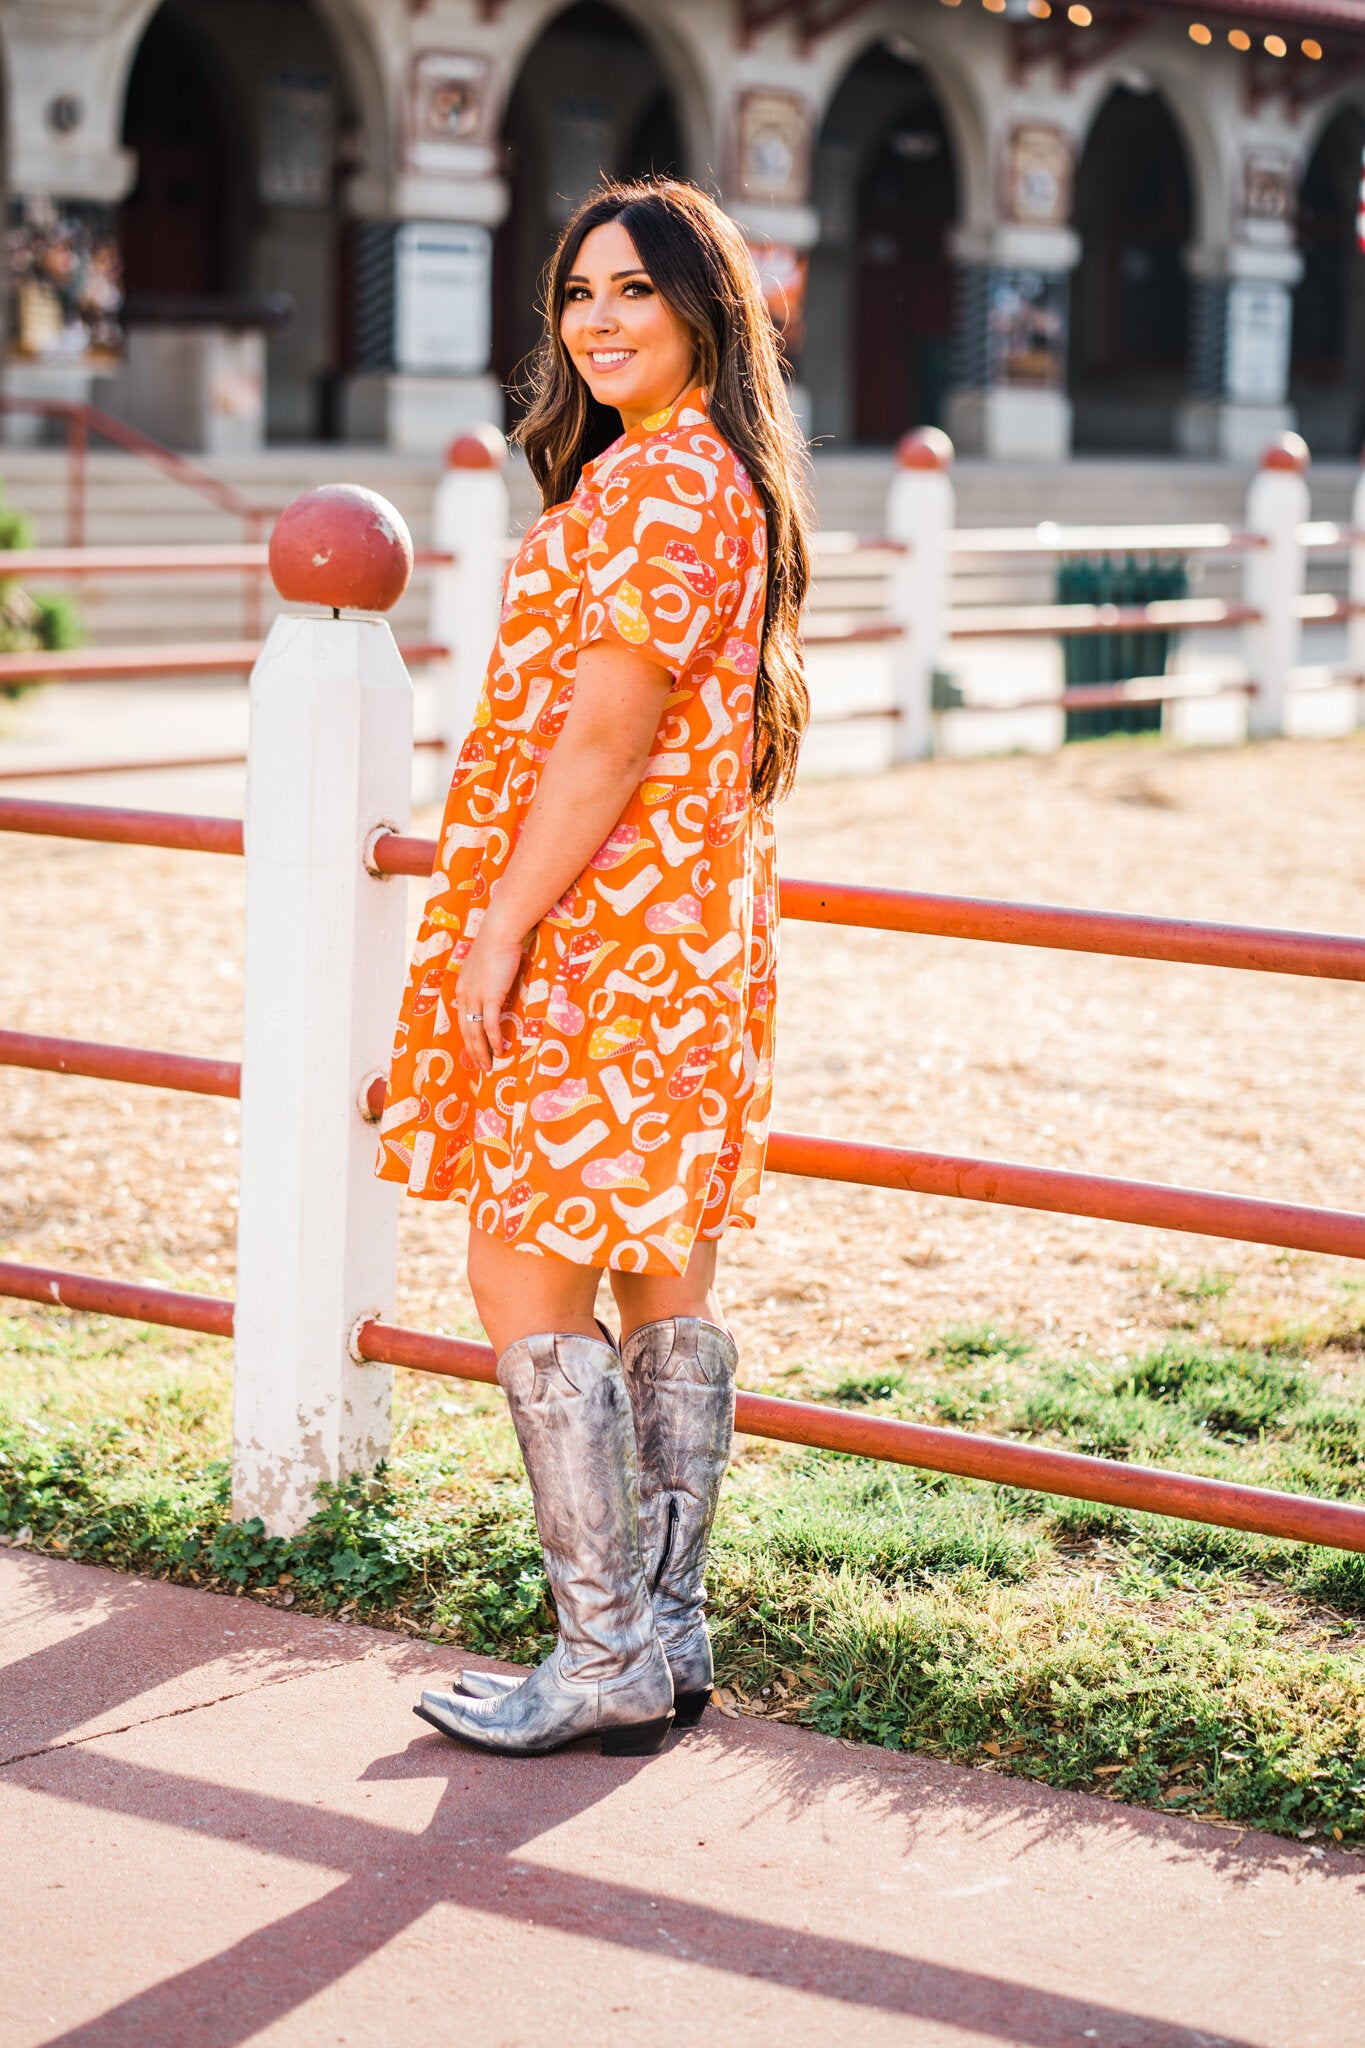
(695, 401)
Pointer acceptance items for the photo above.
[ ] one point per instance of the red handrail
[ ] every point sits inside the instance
(208, 558)
(186, 658)
(83, 420)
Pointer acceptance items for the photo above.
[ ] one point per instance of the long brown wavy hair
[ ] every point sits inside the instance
(699, 264)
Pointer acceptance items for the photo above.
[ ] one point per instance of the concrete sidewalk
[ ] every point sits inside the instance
(220, 1823)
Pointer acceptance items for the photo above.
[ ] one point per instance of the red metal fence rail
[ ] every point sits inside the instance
(1139, 1488)
(1189, 1497)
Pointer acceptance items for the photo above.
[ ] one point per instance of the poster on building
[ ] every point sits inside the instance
(1267, 186)
(298, 138)
(1037, 178)
(65, 286)
(773, 145)
(447, 107)
(1257, 347)
(442, 291)
(1027, 328)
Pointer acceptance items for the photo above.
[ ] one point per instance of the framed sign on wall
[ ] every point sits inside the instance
(442, 298)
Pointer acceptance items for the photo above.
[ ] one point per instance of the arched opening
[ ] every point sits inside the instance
(591, 100)
(243, 126)
(879, 303)
(1130, 299)
(1328, 365)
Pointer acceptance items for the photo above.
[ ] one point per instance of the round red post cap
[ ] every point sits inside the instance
(481, 447)
(1287, 451)
(924, 448)
(343, 546)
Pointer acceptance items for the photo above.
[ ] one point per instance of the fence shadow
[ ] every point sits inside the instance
(473, 1855)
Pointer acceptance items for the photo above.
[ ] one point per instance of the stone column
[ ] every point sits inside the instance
(66, 173)
(422, 300)
(1009, 398)
(1241, 317)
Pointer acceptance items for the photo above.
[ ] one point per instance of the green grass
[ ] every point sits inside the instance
(1169, 1664)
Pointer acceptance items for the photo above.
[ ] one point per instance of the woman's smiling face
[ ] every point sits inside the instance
(630, 349)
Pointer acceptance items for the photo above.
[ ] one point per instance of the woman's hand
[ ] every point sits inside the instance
(490, 967)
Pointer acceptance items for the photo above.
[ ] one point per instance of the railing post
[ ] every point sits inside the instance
(920, 513)
(469, 520)
(1355, 625)
(330, 765)
(1273, 580)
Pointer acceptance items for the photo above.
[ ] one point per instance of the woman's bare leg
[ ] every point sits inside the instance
(519, 1294)
(649, 1297)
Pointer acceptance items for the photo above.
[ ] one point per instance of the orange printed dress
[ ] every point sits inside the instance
(629, 1114)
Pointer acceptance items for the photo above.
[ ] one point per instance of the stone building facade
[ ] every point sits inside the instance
(1125, 225)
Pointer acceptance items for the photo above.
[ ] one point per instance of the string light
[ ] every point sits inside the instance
(1311, 50)
(1239, 39)
(1040, 9)
(1276, 46)
(1200, 34)
(994, 6)
(1081, 17)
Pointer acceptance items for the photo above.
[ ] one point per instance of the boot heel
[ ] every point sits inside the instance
(646, 1738)
(688, 1708)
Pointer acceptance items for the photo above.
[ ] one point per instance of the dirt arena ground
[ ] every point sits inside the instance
(1242, 1082)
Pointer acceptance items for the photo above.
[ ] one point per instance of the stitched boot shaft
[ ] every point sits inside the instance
(573, 1421)
(681, 1377)
(607, 1674)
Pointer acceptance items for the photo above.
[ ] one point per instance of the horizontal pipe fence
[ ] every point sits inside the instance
(1321, 955)
(1036, 1468)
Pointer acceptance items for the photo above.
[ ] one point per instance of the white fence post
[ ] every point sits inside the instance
(469, 519)
(330, 763)
(1355, 627)
(921, 509)
(1273, 580)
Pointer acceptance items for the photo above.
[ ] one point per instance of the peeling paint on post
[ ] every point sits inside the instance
(330, 760)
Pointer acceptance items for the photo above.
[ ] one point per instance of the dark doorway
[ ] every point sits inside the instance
(880, 299)
(1328, 367)
(176, 223)
(1130, 302)
(591, 101)
(245, 128)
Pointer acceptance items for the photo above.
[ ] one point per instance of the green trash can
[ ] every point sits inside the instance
(1117, 657)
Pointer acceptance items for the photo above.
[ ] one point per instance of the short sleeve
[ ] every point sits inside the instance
(664, 563)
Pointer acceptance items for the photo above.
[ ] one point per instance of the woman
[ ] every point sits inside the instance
(584, 1055)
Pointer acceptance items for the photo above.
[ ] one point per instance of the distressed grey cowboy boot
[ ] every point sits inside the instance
(607, 1674)
(681, 1377)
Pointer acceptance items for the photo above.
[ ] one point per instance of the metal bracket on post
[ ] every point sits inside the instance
(331, 745)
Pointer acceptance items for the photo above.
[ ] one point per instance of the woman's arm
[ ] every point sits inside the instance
(590, 777)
